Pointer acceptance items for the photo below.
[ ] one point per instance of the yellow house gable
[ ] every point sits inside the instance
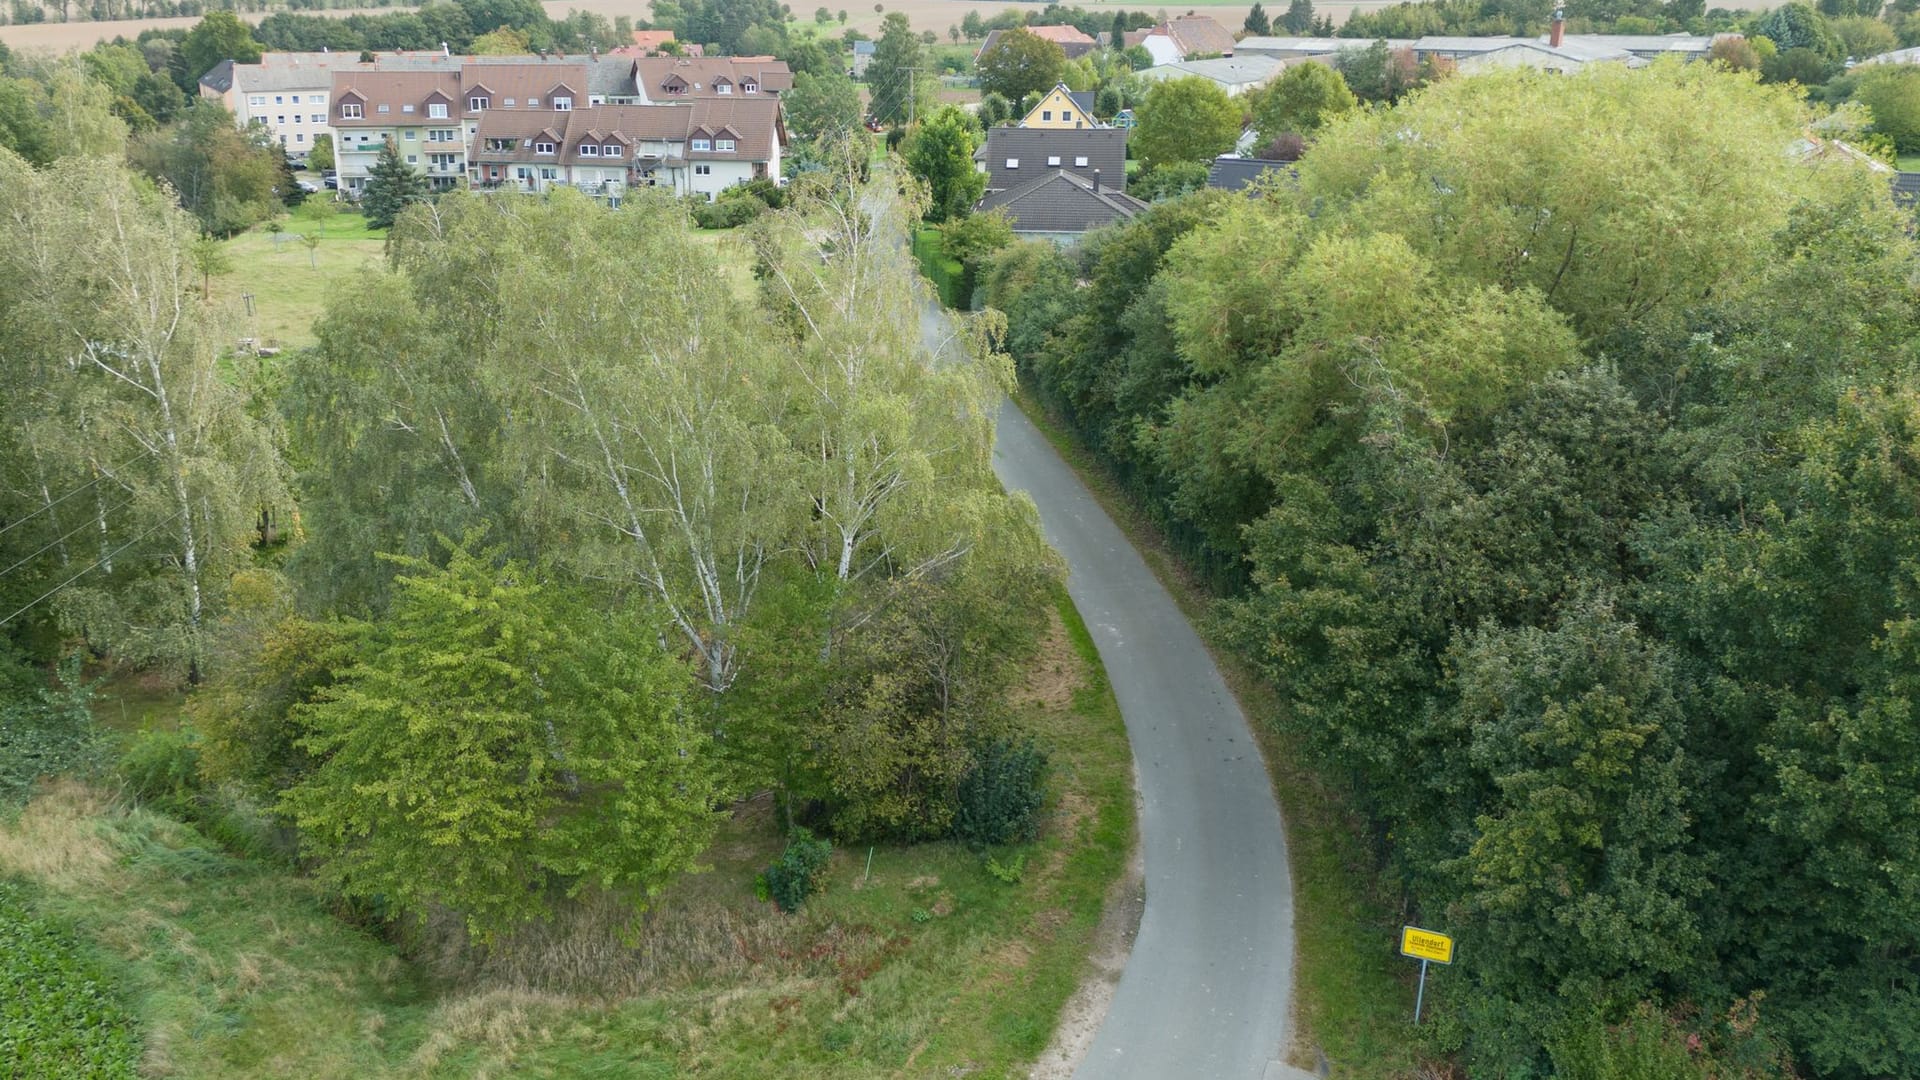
(1057, 111)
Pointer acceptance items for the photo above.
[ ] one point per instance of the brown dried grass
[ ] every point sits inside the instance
(57, 841)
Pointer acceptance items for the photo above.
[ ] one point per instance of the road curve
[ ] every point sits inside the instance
(1207, 990)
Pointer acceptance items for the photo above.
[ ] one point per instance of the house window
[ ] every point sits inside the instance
(532, 103)
(613, 150)
(589, 150)
(440, 135)
(1080, 163)
(279, 119)
(406, 108)
(349, 112)
(410, 134)
(385, 108)
(749, 87)
(1066, 114)
(317, 118)
(300, 136)
(1013, 163)
(549, 174)
(507, 104)
(1046, 114)
(413, 159)
(563, 104)
(476, 104)
(257, 99)
(703, 144)
(543, 148)
(1052, 162)
(724, 145)
(279, 100)
(437, 110)
(723, 88)
(703, 170)
(283, 140)
(296, 99)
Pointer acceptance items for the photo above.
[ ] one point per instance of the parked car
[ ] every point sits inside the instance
(309, 187)
(331, 183)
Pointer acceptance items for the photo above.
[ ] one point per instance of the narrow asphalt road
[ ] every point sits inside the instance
(1207, 990)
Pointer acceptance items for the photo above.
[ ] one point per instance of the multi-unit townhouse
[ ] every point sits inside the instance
(522, 125)
(700, 148)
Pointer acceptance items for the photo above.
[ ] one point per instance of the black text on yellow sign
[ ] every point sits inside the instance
(1426, 945)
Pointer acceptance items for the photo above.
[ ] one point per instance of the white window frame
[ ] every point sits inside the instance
(406, 108)
(723, 88)
(1013, 163)
(749, 87)
(437, 111)
(543, 148)
(611, 150)
(411, 134)
(703, 145)
(384, 108)
(703, 170)
(563, 104)
(350, 112)
(1053, 162)
(533, 103)
(1080, 163)
(506, 103)
(296, 99)
(257, 100)
(724, 146)
(478, 103)
(1046, 114)
(588, 149)
(1066, 115)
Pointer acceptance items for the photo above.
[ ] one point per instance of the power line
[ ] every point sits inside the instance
(49, 544)
(96, 563)
(102, 476)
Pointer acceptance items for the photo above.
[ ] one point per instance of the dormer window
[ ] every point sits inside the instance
(613, 150)
(702, 144)
(722, 86)
(725, 146)
(477, 104)
(749, 87)
(588, 149)
(349, 112)
(437, 111)
(563, 104)
(543, 148)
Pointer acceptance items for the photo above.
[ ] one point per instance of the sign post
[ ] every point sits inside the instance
(1427, 947)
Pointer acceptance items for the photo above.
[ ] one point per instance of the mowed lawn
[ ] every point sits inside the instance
(289, 283)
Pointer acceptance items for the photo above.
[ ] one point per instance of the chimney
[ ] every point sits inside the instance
(444, 51)
(1559, 33)
(1096, 181)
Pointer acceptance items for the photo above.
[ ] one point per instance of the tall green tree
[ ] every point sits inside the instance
(218, 36)
(1020, 62)
(498, 742)
(894, 71)
(1185, 119)
(1300, 101)
(823, 105)
(227, 179)
(392, 186)
(939, 150)
(1298, 18)
(1892, 93)
(1257, 22)
(144, 455)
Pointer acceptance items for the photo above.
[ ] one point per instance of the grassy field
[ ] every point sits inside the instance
(1352, 993)
(920, 962)
(289, 283)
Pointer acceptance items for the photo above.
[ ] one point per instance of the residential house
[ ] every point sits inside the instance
(1232, 173)
(421, 113)
(862, 56)
(1071, 40)
(651, 42)
(1013, 156)
(663, 80)
(702, 147)
(1234, 74)
(1187, 37)
(1056, 183)
(1060, 205)
(1063, 108)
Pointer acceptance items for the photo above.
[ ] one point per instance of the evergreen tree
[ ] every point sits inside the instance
(1257, 22)
(392, 186)
(897, 60)
(1299, 17)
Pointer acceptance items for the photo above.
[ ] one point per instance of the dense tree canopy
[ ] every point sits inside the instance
(939, 150)
(1185, 119)
(1605, 522)
(1020, 62)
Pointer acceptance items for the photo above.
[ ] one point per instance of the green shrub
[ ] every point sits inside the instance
(772, 195)
(163, 768)
(43, 732)
(999, 801)
(945, 272)
(727, 213)
(796, 875)
(59, 1015)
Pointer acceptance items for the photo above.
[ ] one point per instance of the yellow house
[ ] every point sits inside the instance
(1063, 109)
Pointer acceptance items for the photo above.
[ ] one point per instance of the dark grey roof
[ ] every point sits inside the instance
(1082, 100)
(1906, 188)
(1238, 173)
(220, 79)
(1038, 149)
(1061, 202)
